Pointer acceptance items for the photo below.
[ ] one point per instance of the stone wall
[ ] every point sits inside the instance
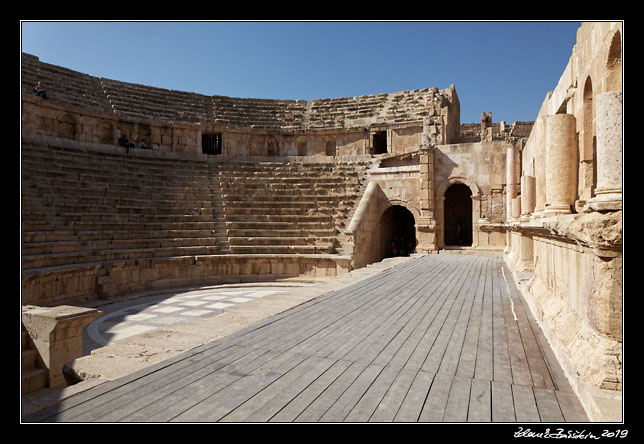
(565, 225)
(87, 108)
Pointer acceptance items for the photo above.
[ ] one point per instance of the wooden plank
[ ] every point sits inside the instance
(525, 406)
(459, 399)
(448, 330)
(484, 367)
(502, 402)
(405, 340)
(57, 411)
(480, 408)
(266, 403)
(571, 407)
(326, 399)
(359, 329)
(467, 360)
(139, 397)
(518, 361)
(239, 391)
(373, 396)
(383, 334)
(195, 393)
(548, 405)
(412, 405)
(502, 366)
(388, 407)
(431, 332)
(308, 337)
(350, 397)
(555, 376)
(100, 406)
(436, 402)
(288, 328)
(290, 412)
(538, 367)
(451, 358)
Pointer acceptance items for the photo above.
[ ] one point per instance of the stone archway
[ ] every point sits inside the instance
(466, 197)
(458, 215)
(397, 232)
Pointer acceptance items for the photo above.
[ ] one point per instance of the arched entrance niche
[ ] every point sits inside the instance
(458, 200)
(458, 215)
(397, 232)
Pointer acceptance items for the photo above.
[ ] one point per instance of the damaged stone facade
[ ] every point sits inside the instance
(565, 227)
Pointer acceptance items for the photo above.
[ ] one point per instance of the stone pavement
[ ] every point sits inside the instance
(136, 316)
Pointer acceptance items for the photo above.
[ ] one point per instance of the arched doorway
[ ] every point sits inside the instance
(397, 232)
(458, 215)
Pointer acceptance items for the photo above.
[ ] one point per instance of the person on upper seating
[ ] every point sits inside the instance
(123, 141)
(40, 90)
(143, 145)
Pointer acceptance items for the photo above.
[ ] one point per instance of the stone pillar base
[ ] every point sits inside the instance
(57, 334)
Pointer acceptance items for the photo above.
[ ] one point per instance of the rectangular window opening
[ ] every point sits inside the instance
(380, 142)
(211, 143)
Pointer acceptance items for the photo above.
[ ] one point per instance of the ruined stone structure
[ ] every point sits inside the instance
(229, 189)
(565, 228)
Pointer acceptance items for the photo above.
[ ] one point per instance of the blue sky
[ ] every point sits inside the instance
(503, 67)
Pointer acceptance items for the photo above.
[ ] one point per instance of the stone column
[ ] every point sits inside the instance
(510, 179)
(561, 164)
(527, 197)
(540, 167)
(426, 227)
(608, 122)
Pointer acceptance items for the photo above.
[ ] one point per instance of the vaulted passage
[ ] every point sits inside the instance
(458, 215)
(397, 232)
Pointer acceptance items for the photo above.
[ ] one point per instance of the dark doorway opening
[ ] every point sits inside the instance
(380, 142)
(211, 143)
(458, 215)
(397, 232)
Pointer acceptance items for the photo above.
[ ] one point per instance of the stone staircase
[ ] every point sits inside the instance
(33, 377)
(288, 207)
(81, 206)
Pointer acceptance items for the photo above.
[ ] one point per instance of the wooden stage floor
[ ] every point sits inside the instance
(440, 338)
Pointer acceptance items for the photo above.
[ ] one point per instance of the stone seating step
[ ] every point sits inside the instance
(281, 249)
(31, 236)
(113, 191)
(52, 178)
(110, 170)
(244, 188)
(269, 218)
(279, 240)
(48, 223)
(294, 232)
(105, 164)
(150, 208)
(99, 197)
(104, 245)
(69, 258)
(262, 225)
(279, 211)
(141, 218)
